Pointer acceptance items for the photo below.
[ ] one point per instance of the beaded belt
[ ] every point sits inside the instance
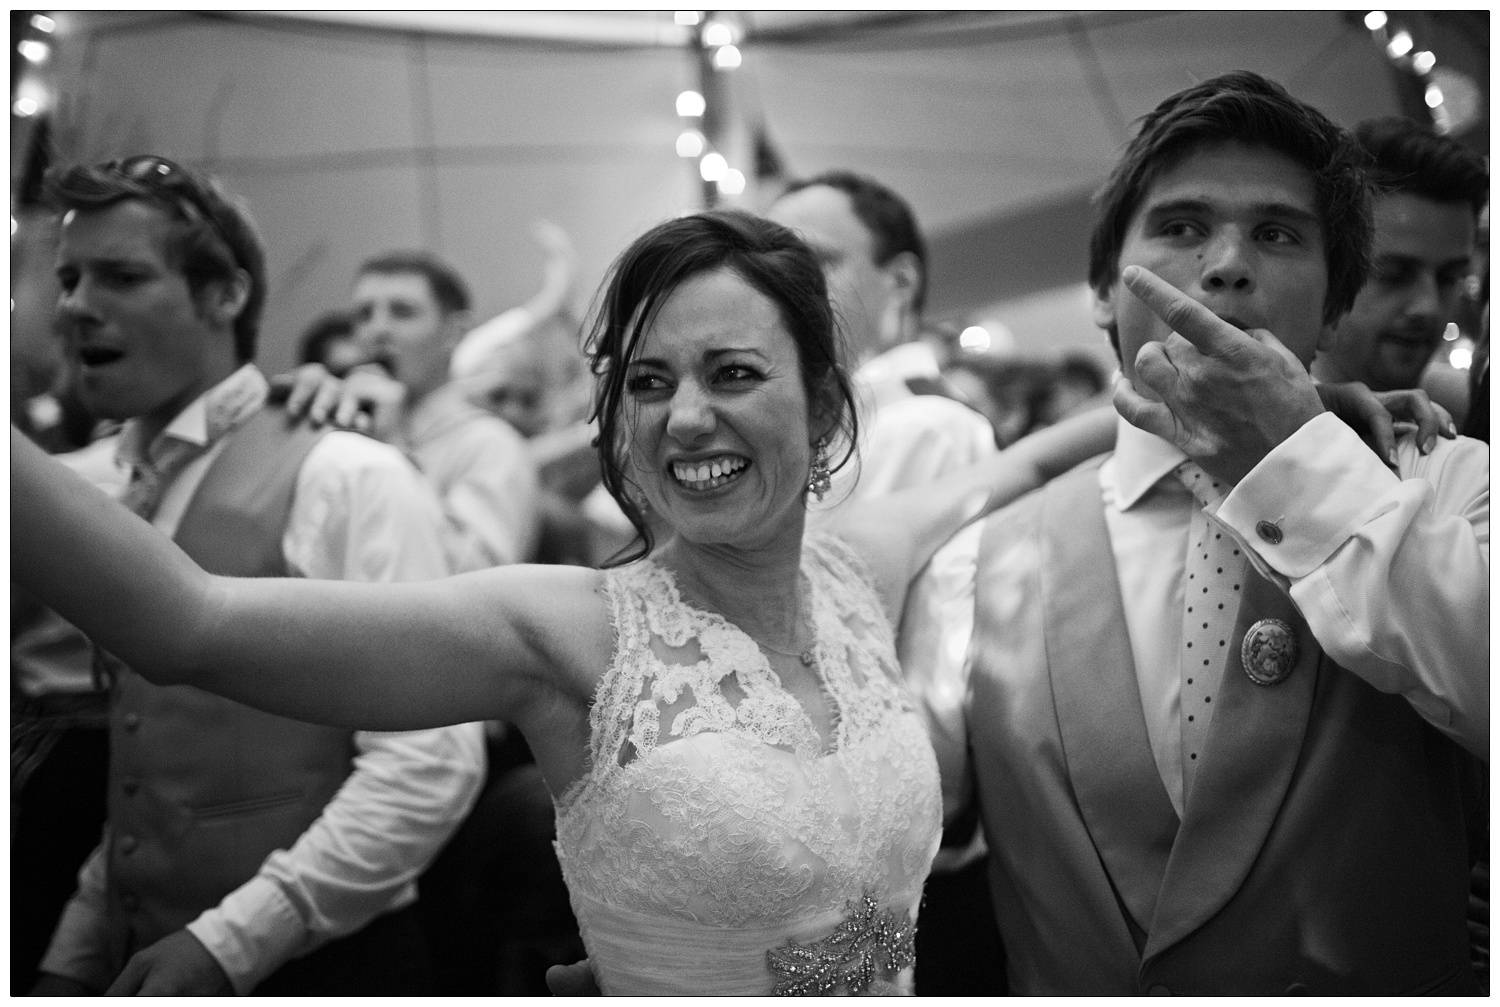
(872, 943)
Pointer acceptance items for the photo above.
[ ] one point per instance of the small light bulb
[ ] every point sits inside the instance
(1400, 45)
(1450, 332)
(1462, 358)
(690, 104)
(1423, 62)
(726, 57)
(687, 17)
(975, 339)
(1375, 20)
(1434, 96)
(24, 107)
(732, 182)
(42, 22)
(689, 143)
(713, 166)
(36, 52)
(718, 33)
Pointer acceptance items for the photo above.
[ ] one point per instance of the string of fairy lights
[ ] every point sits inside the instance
(718, 37)
(31, 93)
(1401, 48)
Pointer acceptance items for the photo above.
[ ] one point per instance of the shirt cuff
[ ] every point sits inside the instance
(1307, 496)
(252, 933)
(78, 950)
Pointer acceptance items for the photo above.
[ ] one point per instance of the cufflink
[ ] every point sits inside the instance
(1268, 531)
(1268, 652)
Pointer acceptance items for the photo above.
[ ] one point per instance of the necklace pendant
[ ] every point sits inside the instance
(807, 659)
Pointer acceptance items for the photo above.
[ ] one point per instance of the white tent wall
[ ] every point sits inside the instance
(348, 141)
(1000, 137)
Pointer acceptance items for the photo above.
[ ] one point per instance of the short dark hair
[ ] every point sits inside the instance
(1410, 156)
(885, 215)
(769, 257)
(326, 328)
(215, 233)
(1243, 107)
(447, 287)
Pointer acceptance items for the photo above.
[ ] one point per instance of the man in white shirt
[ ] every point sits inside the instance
(243, 852)
(875, 262)
(410, 311)
(1217, 695)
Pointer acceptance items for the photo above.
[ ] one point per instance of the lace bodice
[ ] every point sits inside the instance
(712, 800)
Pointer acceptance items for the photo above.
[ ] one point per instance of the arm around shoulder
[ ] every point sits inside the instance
(1390, 571)
(897, 534)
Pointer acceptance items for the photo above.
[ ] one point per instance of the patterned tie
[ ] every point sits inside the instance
(1214, 572)
(160, 462)
(150, 476)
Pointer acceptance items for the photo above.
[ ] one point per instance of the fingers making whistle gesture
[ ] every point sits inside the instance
(1223, 395)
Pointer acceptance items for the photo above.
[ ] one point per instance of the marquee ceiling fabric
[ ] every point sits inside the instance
(352, 134)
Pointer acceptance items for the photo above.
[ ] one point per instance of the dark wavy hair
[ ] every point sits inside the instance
(1410, 156)
(215, 234)
(1243, 107)
(770, 258)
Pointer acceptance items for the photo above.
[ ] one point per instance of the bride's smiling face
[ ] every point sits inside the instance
(716, 415)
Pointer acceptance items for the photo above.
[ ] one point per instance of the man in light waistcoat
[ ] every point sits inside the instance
(1220, 685)
(243, 852)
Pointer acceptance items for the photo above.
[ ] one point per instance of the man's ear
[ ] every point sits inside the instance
(1328, 337)
(898, 318)
(904, 275)
(1104, 306)
(223, 300)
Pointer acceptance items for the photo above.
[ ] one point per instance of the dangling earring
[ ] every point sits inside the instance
(820, 479)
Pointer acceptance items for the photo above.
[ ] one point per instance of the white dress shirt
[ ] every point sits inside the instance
(484, 475)
(1391, 574)
(905, 439)
(360, 512)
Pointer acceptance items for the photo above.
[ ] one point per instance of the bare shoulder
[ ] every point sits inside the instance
(557, 613)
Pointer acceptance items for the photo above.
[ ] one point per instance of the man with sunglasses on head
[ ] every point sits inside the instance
(243, 852)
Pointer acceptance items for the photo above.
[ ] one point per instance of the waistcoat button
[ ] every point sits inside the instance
(132, 721)
(130, 785)
(128, 844)
(1159, 991)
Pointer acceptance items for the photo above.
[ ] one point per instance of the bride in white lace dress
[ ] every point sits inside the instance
(746, 801)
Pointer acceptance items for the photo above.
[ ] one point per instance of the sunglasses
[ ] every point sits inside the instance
(168, 180)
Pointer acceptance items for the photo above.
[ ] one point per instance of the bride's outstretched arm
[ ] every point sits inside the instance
(898, 534)
(372, 656)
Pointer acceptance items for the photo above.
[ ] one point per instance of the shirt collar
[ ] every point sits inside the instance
(203, 421)
(440, 410)
(1140, 461)
(885, 376)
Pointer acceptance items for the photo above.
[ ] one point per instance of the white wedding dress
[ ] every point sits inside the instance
(717, 844)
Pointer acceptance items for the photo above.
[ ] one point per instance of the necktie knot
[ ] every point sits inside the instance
(1208, 490)
(149, 477)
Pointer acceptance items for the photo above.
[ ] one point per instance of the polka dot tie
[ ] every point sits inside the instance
(1212, 581)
